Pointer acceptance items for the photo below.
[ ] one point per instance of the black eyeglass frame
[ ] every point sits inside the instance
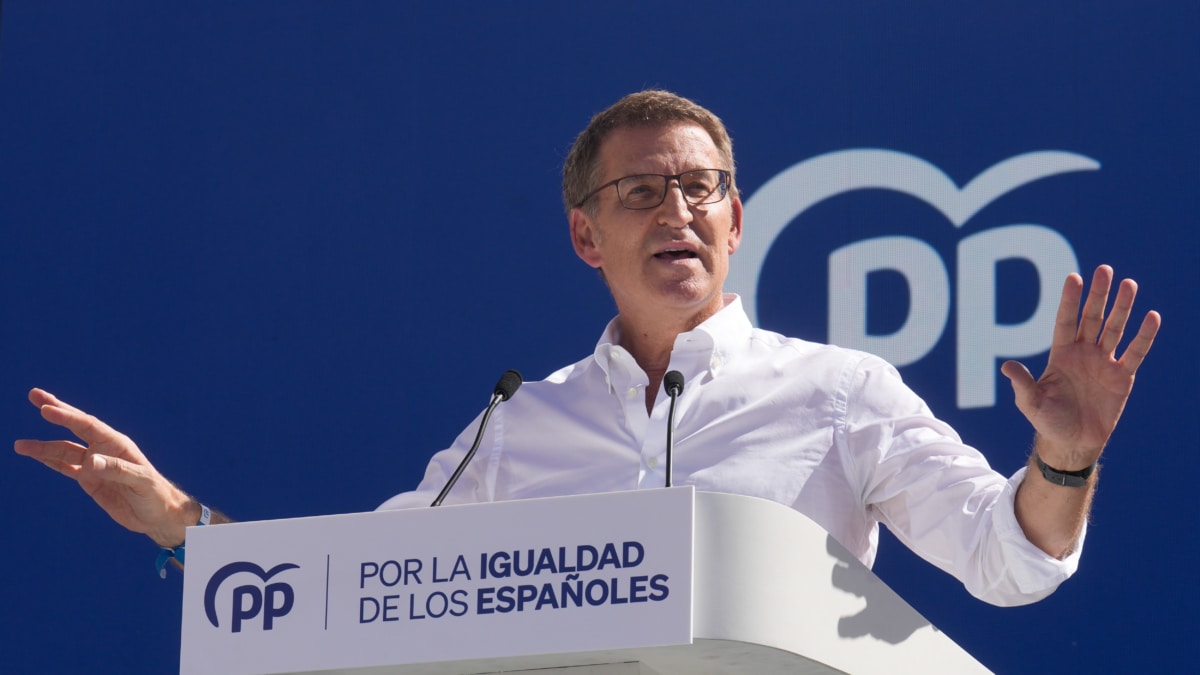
(723, 188)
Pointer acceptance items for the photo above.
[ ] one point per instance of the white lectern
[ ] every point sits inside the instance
(637, 583)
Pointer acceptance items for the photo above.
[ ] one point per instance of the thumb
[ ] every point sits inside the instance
(1021, 379)
(1016, 371)
(103, 468)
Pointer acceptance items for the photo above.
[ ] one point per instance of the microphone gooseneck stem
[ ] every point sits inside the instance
(505, 388)
(671, 434)
(673, 384)
(462, 466)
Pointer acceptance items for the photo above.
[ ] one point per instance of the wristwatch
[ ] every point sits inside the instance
(1065, 478)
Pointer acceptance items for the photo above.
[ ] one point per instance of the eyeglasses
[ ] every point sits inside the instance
(701, 186)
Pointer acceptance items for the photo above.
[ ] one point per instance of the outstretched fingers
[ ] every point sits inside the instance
(1114, 327)
(66, 452)
(112, 470)
(1118, 319)
(1066, 321)
(87, 427)
(64, 457)
(1139, 347)
(41, 398)
(1092, 320)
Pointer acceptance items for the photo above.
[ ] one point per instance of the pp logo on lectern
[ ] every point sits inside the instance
(271, 601)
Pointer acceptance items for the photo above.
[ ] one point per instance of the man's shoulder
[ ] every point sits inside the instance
(816, 366)
(574, 374)
(762, 340)
(573, 371)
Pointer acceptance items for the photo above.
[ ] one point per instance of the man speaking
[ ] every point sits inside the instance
(652, 201)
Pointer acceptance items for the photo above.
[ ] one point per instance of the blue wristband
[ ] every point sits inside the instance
(165, 554)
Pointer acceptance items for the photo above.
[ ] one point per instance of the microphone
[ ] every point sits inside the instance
(505, 388)
(673, 383)
(509, 382)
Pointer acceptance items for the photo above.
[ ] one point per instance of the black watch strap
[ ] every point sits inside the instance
(1065, 478)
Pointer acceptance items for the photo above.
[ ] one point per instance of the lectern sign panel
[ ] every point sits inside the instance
(455, 582)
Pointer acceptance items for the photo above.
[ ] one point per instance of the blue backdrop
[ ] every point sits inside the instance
(289, 246)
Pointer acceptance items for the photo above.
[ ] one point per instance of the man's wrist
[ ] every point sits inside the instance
(1064, 458)
(178, 553)
(1064, 478)
(186, 514)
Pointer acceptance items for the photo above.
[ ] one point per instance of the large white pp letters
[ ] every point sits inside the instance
(928, 292)
(981, 340)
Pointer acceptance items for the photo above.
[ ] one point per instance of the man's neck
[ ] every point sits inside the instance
(650, 340)
(651, 348)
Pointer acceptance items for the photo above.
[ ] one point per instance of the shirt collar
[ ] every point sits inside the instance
(717, 338)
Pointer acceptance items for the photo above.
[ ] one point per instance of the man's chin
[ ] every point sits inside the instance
(689, 298)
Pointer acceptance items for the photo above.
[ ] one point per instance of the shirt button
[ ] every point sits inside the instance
(652, 462)
(632, 393)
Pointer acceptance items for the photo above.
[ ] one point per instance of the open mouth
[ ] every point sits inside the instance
(675, 254)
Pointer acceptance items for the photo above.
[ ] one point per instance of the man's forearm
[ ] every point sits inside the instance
(1052, 515)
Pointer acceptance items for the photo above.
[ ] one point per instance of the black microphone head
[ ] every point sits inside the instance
(673, 382)
(509, 382)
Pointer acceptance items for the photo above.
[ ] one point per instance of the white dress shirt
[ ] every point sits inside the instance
(830, 432)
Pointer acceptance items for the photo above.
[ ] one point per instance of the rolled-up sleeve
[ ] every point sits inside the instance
(938, 495)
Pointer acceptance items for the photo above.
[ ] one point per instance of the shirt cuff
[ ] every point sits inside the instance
(1035, 572)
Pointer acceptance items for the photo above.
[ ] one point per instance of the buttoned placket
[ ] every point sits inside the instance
(695, 358)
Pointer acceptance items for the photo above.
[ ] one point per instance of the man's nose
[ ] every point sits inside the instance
(675, 209)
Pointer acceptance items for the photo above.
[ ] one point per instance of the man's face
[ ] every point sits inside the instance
(669, 262)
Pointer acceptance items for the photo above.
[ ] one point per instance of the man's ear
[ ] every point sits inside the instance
(735, 230)
(585, 238)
